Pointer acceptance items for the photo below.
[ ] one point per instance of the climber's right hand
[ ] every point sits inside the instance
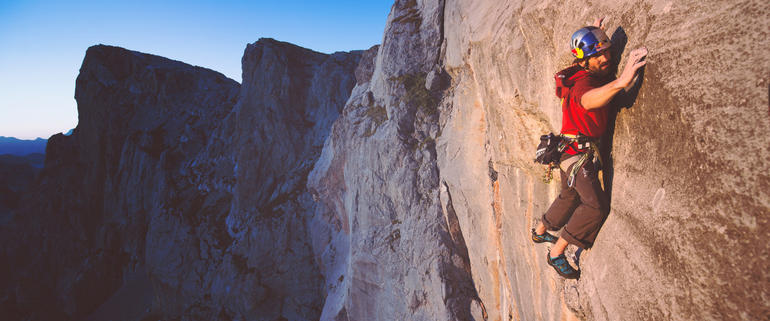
(635, 61)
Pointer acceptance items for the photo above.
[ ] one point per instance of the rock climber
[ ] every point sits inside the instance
(586, 89)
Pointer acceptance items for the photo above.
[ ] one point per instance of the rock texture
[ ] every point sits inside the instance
(387, 250)
(289, 99)
(686, 208)
(397, 183)
(389, 254)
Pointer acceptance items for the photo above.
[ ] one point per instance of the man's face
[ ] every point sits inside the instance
(599, 63)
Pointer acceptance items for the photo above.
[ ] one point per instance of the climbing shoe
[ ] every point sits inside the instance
(545, 237)
(562, 267)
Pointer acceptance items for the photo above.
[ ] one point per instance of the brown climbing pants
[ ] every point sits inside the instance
(581, 209)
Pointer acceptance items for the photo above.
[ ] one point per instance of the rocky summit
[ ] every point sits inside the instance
(397, 183)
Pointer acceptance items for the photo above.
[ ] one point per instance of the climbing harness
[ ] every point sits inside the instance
(586, 147)
(552, 146)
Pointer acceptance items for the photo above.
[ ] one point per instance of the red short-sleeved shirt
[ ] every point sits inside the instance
(575, 118)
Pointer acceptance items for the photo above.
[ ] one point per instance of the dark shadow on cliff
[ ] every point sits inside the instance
(624, 100)
(459, 278)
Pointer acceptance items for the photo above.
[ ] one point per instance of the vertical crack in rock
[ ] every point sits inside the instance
(459, 274)
(492, 172)
(497, 211)
(442, 45)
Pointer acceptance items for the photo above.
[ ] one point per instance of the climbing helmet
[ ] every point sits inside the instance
(588, 41)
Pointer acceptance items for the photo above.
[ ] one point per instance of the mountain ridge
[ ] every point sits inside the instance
(21, 147)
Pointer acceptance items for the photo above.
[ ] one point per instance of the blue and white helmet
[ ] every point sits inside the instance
(588, 41)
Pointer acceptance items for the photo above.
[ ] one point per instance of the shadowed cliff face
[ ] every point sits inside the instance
(145, 190)
(289, 99)
(85, 221)
(398, 184)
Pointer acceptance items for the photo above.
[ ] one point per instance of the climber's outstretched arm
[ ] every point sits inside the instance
(598, 97)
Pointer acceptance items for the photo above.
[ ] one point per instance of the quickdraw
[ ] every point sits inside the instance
(548, 176)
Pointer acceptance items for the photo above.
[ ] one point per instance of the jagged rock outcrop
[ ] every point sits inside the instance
(88, 220)
(146, 190)
(387, 250)
(289, 99)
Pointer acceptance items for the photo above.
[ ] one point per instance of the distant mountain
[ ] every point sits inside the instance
(15, 146)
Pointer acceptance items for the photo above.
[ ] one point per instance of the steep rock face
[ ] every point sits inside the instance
(685, 207)
(289, 100)
(424, 175)
(145, 191)
(139, 116)
(258, 264)
(387, 248)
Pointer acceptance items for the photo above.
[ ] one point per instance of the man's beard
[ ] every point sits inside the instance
(601, 70)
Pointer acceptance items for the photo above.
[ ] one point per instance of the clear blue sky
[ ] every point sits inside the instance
(42, 43)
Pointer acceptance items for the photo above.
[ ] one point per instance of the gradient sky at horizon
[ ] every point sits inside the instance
(43, 43)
